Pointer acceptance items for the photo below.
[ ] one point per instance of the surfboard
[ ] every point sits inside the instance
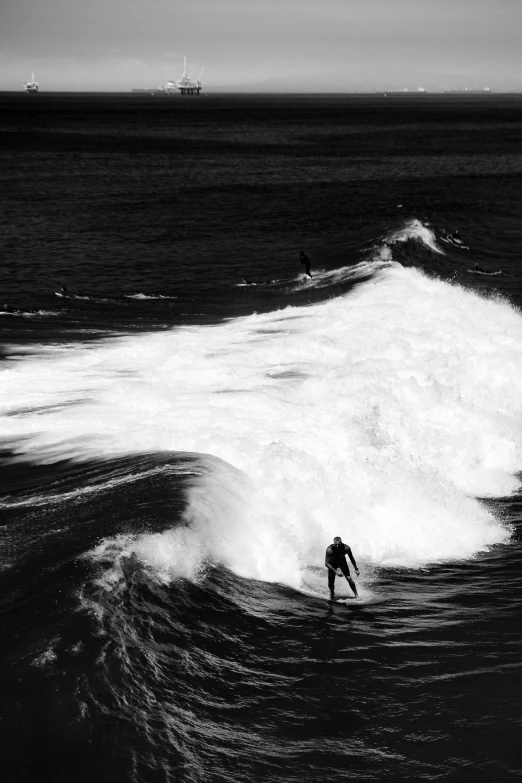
(365, 598)
(455, 242)
(323, 595)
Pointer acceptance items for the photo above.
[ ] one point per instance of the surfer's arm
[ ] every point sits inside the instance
(350, 555)
(327, 561)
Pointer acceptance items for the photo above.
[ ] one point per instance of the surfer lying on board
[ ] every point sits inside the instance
(335, 561)
(305, 261)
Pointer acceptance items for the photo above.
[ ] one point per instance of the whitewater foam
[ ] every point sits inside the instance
(380, 416)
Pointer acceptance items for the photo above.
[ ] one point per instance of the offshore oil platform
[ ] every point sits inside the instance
(186, 85)
(31, 86)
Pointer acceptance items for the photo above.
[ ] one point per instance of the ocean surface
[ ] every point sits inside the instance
(186, 430)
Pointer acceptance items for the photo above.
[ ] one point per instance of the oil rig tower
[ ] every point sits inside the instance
(31, 86)
(186, 85)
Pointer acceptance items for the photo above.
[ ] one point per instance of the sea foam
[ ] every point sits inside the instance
(379, 416)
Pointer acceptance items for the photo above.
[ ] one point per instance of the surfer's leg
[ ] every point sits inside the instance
(352, 585)
(331, 583)
(346, 572)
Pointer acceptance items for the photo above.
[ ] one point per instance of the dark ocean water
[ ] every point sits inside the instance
(186, 431)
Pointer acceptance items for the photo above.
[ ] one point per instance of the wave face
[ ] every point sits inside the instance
(380, 415)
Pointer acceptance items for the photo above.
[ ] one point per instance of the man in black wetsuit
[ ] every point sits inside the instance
(335, 561)
(305, 261)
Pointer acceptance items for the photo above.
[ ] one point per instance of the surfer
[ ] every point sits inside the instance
(481, 269)
(335, 562)
(305, 261)
(456, 236)
(63, 291)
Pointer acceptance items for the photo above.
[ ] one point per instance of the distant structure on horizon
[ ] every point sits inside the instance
(468, 89)
(186, 85)
(422, 90)
(403, 90)
(31, 86)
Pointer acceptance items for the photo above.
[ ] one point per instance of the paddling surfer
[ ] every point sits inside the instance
(335, 562)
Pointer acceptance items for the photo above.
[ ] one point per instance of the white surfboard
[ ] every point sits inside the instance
(455, 242)
(364, 598)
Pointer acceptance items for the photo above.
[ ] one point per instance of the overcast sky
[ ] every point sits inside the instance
(292, 44)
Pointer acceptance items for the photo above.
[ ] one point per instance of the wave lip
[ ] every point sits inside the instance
(139, 295)
(415, 229)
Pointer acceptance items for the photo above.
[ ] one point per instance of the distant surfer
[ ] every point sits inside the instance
(481, 269)
(63, 291)
(335, 562)
(454, 239)
(305, 261)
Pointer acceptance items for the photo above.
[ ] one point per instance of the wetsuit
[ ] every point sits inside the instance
(305, 261)
(336, 556)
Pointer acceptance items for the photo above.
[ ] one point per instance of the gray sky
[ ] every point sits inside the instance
(266, 44)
